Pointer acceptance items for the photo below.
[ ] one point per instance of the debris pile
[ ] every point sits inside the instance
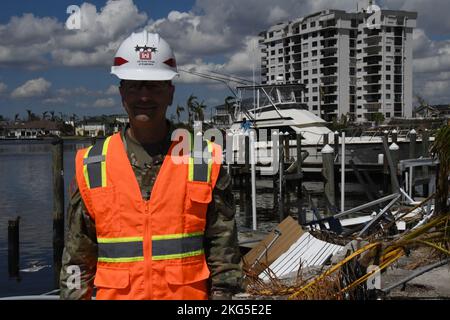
(371, 260)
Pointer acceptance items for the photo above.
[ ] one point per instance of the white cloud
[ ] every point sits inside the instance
(28, 30)
(105, 103)
(277, 14)
(112, 90)
(100, 35)
(29, 41)
(198, 66)
(55, 100)
(432, 14)
(3, 88)
(245, 61)
(79, 92)
(32, 88)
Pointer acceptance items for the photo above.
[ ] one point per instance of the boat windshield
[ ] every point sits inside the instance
(264, 96)
(286, 95)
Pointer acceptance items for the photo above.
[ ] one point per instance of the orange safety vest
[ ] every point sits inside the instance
(148, 249)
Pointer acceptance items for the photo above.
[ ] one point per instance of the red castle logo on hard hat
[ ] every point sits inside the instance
(145, 53)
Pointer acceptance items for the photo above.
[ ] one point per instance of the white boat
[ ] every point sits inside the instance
(278, 107)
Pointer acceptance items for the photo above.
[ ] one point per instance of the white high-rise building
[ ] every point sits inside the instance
(347, 67)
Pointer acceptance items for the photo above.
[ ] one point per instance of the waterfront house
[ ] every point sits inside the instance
(92, 129)
(31, 129)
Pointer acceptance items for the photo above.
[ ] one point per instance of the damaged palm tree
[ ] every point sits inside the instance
(441, 150)
(434, 234)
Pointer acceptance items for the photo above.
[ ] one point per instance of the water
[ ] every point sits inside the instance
(26, 190)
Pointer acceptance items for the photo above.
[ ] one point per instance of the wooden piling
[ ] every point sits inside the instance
(336, 153)
(394, 150)
(336, 143)
(13, 248)
(425, 154)
(328, 175)
(412, 144)
(247, 186)
(392, 169)
(412, 155)
(281, 192)
(58, 206)
(386, 175)
(301, 215)
(325, 139)
(394, 136)
(286, 147)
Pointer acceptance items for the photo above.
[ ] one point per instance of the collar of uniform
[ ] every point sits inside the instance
(142, 153)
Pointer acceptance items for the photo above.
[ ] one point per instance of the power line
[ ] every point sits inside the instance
(215, 78)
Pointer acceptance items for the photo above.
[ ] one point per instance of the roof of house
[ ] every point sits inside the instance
(37, 124)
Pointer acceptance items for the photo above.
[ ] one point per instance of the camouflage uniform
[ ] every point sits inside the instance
(221, 247)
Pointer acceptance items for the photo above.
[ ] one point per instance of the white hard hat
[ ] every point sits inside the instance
(144, 56)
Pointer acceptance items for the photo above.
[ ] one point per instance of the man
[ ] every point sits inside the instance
(245, 125)
(142, 225)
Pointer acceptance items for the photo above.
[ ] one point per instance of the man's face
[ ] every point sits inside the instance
(146, 102)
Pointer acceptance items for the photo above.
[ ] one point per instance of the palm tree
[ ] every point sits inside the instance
(32, 116)
(191, 104)
(422, 103)
(199, 111)
(29, 114)
(52, 113)
(16, 118)
(441, 149)
(178, 111)
(44, 115)
(229, 106)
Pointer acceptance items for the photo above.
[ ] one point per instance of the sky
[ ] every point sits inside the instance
(45, 67)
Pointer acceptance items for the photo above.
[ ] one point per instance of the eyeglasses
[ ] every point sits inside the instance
(138, 85)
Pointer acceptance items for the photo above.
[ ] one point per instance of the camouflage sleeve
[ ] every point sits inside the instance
(80, 251)
(221, 242)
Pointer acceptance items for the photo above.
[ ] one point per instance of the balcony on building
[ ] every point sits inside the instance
(328, 33)
(372, 32)
(297, 74)
(329, 111)
(329, 43)
(329, 61)
(371, 60)
(372, 88)
(331, 23)
(371, 70)
(329, 99)
(371, 98)
(398, 31)
(329, 52)
(329, 70)
(372, 79)
(373, 40)
(373, 50)
(398, 79)
(330, 90)
(329, 80)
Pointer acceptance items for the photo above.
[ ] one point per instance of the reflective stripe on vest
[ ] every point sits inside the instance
(200, 163)
(176, 246)
(164, 247)
(94, 164)
(120, 249)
